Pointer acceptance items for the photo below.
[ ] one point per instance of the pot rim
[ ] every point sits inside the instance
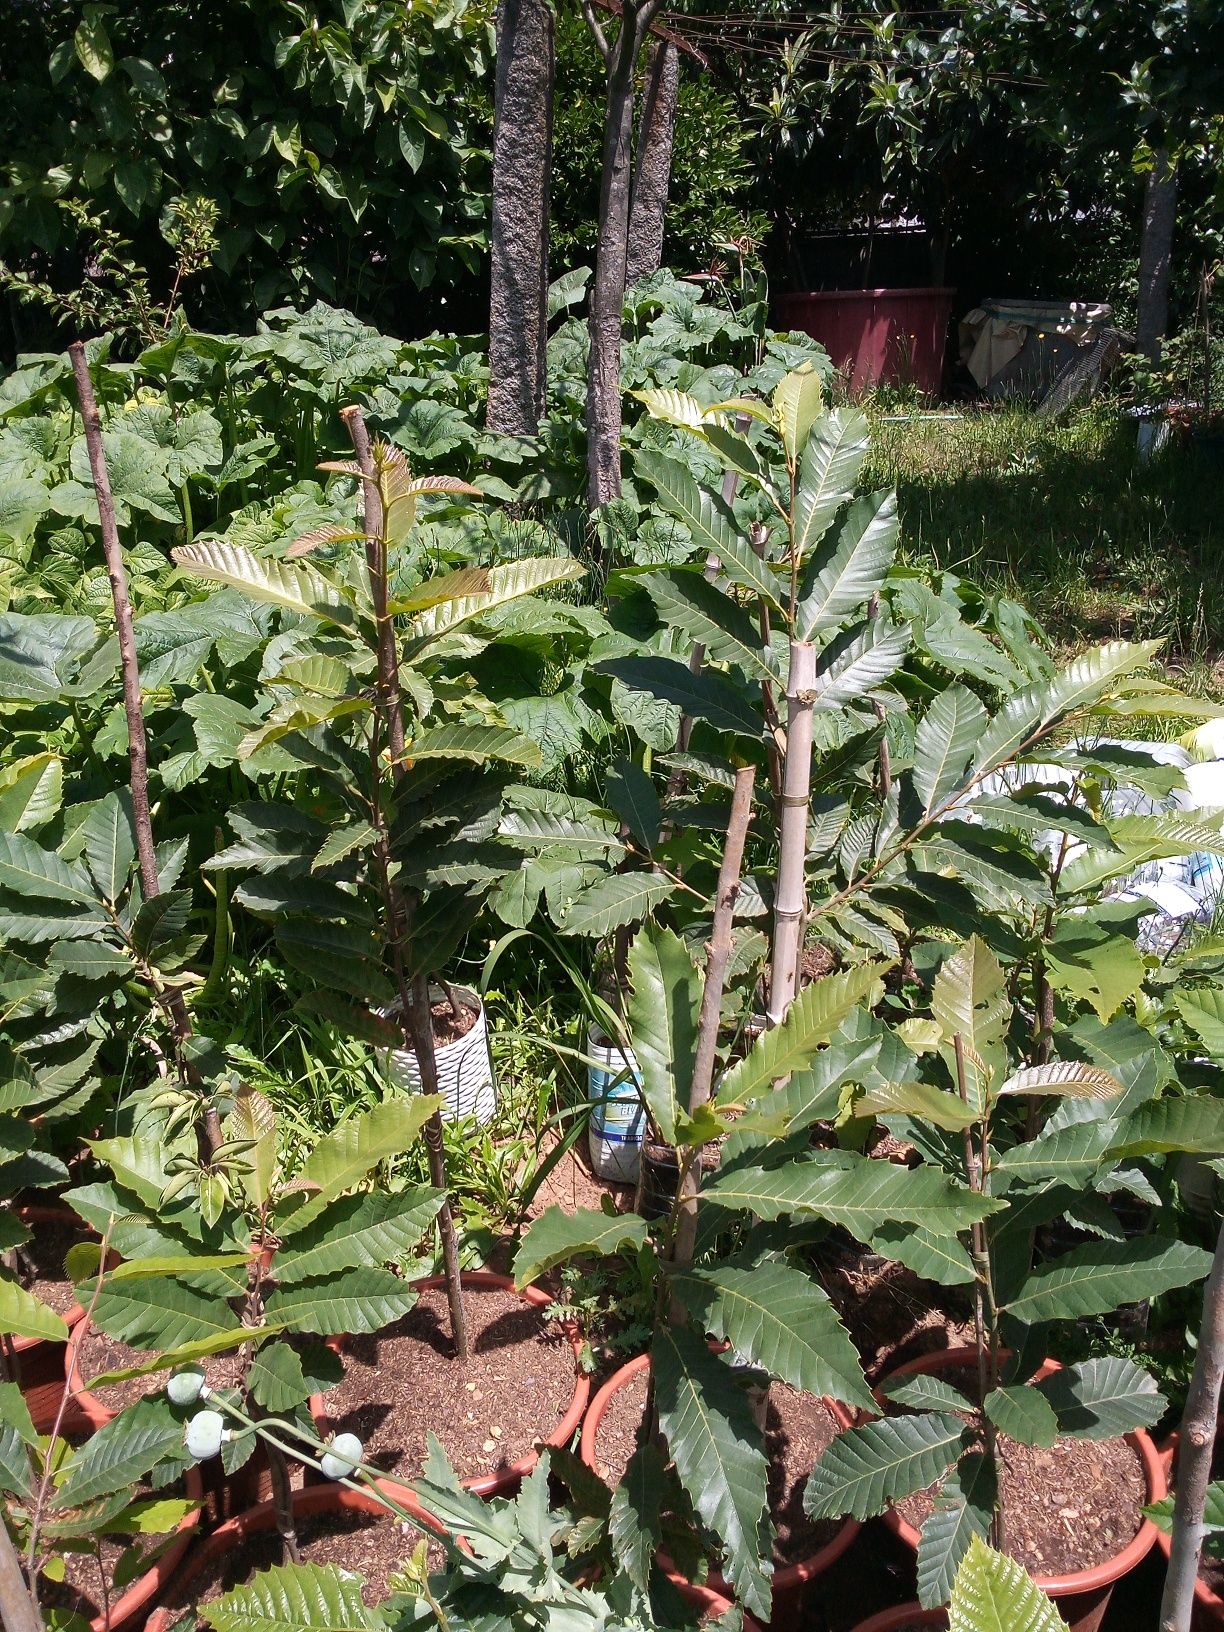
(1095, 1576)
(34, 1212)
(790, 1576)
(505, 1479)
(1203, 1594)
(255, 1520)
(903, 1615)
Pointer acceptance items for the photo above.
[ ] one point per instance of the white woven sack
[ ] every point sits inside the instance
(465, 1067)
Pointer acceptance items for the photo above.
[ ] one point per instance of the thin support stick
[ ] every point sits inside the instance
(1194, 1453)
(138, 751)
(981, 1283)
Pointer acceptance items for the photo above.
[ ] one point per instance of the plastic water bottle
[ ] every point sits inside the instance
(618, 1115)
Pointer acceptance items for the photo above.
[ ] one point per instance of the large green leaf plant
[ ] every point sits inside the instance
(981, 1120)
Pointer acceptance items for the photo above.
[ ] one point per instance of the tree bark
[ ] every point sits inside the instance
(1194, 1453)
(522, 174)
(1156, 254)
(718, 957)
(17, 1611)
(652, 170)
(603, 407)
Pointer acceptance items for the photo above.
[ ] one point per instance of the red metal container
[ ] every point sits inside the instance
(876, 336)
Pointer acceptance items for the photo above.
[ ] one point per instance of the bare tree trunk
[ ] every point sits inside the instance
(17, 1611)
(603, 410)
(717, 959)
(170, 999)
(1156, 254)
(522, 173)
(1194, 1453)
(652, 171)
(789, 901)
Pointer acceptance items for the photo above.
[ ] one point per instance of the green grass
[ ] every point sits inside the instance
(1061, 517)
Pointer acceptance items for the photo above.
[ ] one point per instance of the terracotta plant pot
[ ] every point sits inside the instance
(40, 1360)
(790, 1581)
(1082, 1596)
(257, 1520)
(905, 1615)
(1208, 1612)
(129, 1610)
(710, 1604)
(505, 1480)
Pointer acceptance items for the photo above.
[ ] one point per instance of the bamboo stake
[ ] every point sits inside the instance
(796, 798)
(1194, 1452)
(415, 1008)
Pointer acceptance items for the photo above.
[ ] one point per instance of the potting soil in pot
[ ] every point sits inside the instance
(1067, 1508)
(798, 1430)
(42, 1261)
(89, 1587)
(371, 1545)
(405, 1383)
(98, 1353)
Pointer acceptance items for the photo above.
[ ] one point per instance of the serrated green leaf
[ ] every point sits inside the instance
(619, 898)
(478, 743)
(1193, 1123)
(121, 1453)
(853, 1191)
(634, 798)
(30, 791)
(1066, 1077)
(24, 1315)
(797, 401)
(556, 1237)
(36, 874)
(866, 1468)
(924, 1391)
(109, 840)
(931, 1256)
(1102, 1398)
(509, 582)
(992, 1593)
(1065, 1153)
(963, 1509)
(346, 1155)
(685, 600)
(378, 1229)
(943, 745)
(1022, 1413)
(295, 1598)
(276, 1378)
(664, 1001)
(1101, 1276)
(158, 1313)
(828, 470)
(635, 1521)
(706, 695)
(781, 1321)
(857, 663)
(356, 1300)
(296, 588)
(710, 523)
(844, 575)
(813, 1017)
(715, 1445)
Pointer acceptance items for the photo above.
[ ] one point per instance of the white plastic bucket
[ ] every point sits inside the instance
(465, 1067)
(618, 1115)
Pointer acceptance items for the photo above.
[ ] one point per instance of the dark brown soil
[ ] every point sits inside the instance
(81, 1589)
(42, 1262)
(97, 1353)
(1064, 1509)
(891, 1315)
(367, 1544)
(448, 1026)
(798, 1430)
(405, 1382)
